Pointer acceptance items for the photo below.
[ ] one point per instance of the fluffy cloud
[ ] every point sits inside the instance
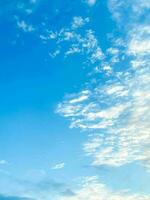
(116, 110)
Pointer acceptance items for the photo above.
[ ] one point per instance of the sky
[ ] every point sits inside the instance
(74, 100)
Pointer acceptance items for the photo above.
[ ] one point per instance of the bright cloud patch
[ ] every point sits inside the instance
(140, 43)
(58, 166)
(92, 189)
(91, 2)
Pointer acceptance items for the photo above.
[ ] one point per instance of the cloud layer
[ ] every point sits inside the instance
(93, 190)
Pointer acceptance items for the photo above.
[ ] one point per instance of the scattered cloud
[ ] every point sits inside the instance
(117, 108)
(84, 44)
(58, 166)
(24, 26)
(134, 9)
(78, 22)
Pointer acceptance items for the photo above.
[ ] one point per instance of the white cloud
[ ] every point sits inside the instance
(54, 54)
(118, 109)
(73, 50)
(92, 189)
(78, 22)
(140, 6)
(140, 40)
(91, 2)
(84, 44)
(116, 89)
(24, 26)
(58, 166)
(82, 97)
(135, 10)
(92, 145)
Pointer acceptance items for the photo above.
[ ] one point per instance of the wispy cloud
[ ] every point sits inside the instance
(83, 44)
(24, 26)
(78, 22)
(58, 166)
(91, 189)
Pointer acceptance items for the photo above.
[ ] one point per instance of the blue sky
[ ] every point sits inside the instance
(74, 101)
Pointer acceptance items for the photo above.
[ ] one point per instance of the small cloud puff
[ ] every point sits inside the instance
(91, 2)
(24, 26)
(58, 166)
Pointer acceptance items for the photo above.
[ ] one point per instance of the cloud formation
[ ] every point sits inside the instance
(117, 110)
(113, 109)
(92, 189)
(82, 43)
